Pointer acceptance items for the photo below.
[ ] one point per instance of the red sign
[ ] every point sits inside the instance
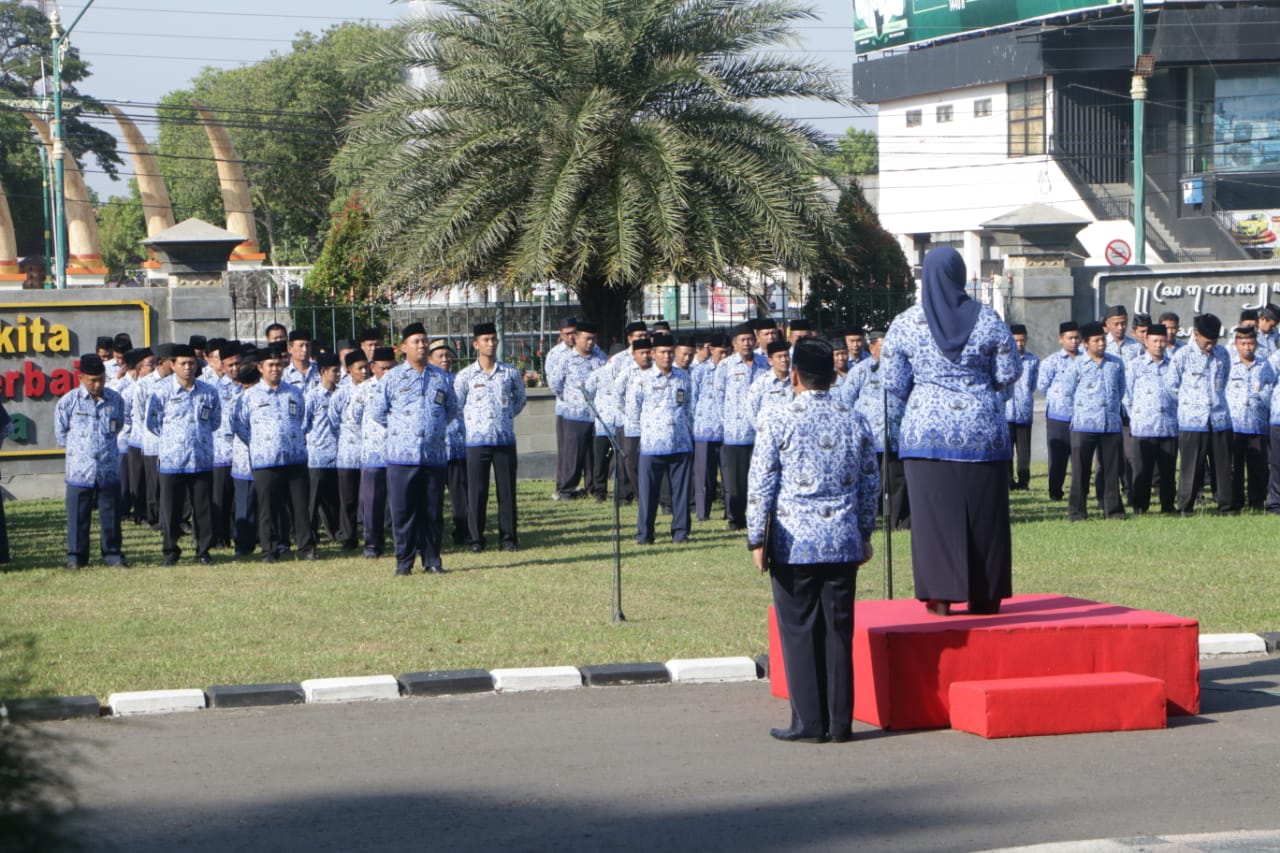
(1118, 253)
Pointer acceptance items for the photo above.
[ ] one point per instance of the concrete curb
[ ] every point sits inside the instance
(461, 681)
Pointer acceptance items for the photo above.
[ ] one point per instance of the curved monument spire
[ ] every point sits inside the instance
(156, 206)
(84, 255)
(8, 239)
(236, 200)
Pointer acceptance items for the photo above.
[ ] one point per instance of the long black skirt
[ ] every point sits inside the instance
(960, 549)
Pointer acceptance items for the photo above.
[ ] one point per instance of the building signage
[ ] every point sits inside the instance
(40, 349)
(880, 24)
(1192, 293)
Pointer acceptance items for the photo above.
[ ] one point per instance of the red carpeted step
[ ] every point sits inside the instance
(1058, 704)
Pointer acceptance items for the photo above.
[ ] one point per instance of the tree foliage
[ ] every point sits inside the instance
(857, 153)
(862, 276)
(284, 115)
(348, 271)
(26, 40)
(603, 143)
(121, 228)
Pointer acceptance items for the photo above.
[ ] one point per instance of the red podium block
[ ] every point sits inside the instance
(904, 659)
(1058, 704)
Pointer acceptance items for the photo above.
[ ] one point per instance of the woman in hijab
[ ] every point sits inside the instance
(949, 357)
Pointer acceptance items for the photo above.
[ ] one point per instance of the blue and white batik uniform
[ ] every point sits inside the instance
(766, 392)
(953, 410)
(1249, 389)
(1153, 412)
(1096, 389)
(489, 403)
(732, 383)
(1020, 402)
(415, 407)
(88, 429)
(1199, 383)
(322, 434)
(273, 423)
(184, 420)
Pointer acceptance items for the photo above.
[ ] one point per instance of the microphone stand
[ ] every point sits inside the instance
(887, 491)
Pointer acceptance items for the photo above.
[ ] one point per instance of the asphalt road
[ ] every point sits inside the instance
(659, 768)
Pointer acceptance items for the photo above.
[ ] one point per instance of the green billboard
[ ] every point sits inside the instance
(879, 24)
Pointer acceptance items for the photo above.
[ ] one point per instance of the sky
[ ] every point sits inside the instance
(140, 50)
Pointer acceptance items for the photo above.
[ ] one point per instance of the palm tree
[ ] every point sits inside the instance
(605, 143)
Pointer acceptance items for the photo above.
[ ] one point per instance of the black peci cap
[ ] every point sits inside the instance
(1092, 330)
(484, 329)
(1209, 325)
(661, 340)
(384, 354)
(1017, 329)
(326, 361)
(411, 330)
(813, 356)
(1068, 326)
(104, 342)
(91, 364)
(356, 355)
(776, 347)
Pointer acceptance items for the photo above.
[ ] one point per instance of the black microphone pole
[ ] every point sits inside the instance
(888, 491)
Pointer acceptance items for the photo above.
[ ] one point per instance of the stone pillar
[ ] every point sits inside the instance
(1041, 297)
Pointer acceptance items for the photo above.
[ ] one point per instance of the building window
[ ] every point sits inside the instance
(1026, 118)
(982, 108)
(943, 113)
(914, 118)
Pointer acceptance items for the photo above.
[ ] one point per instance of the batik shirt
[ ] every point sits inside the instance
(662, 405)
(1267, 343)
(373, 434)
(708, 408)
(273, 422)
(1249, 396)
(114, 369)
(209, 375)
(302, 381)
(1125, 349)
(766, 392)
(1097, 391)
(572, 371)
(624, 383)
(732, 386)
(1020, 400)
(184, 420)
(345, 411)
(146, 386)
(954, 410)
(551, 363)
(1199, 383)
(815, 472)
(600, 386)
(1053, 371)
(223, 437)
(121, 385)
(136, 411)
(87, 428)
(1153, 412)
(490, 403)
(322, 434)
(241, 468)
(415, 407)
(865, 393)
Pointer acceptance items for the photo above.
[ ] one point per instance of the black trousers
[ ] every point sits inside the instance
(282, 489)
(735, 462)
(653, 468)
(373, 509)
(706, 476)
(125, 502)
(1020, 471)
(348, 505)
(416, 496)
(459, 499)
(601, 466)
(1249, 461)
(177, 492)
(896, 480)
(631, 465)
(80, 501)
(1058, 435)
(137, 485)
(151, 476)
(245, 523)
(572, 459)
(223, 500)
(1192, 447)
(502, 459)
(1109, 448)
(814, 609)
(322, 506)
(1156, 457)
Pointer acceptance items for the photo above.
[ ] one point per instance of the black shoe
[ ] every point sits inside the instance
(437, 570)
(793, 736)
(270, 557)
(118, 563)
(171, 560)
(477, 547)
(74, 565)
(985, 607)
(644, 541)
(510, 546)
(843, 737)
(938, 608)
(403, 573)
(204, 560)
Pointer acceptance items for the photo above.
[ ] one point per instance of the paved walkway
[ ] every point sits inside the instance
(670, 768)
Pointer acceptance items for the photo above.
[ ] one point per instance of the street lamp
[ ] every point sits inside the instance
(59, 145)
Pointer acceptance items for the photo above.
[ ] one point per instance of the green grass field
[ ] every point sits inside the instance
(102, 630)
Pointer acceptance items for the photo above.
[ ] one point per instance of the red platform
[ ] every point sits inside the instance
(904, 659)
(1058, 704)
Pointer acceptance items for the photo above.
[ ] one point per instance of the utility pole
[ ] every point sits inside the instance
(1143, 67)
(59, 144)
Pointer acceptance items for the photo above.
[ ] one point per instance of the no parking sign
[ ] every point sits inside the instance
(1118, 253)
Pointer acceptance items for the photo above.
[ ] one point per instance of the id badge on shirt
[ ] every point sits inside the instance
(679, 396)
(293, 408)
(439, 398)
(205, 413)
